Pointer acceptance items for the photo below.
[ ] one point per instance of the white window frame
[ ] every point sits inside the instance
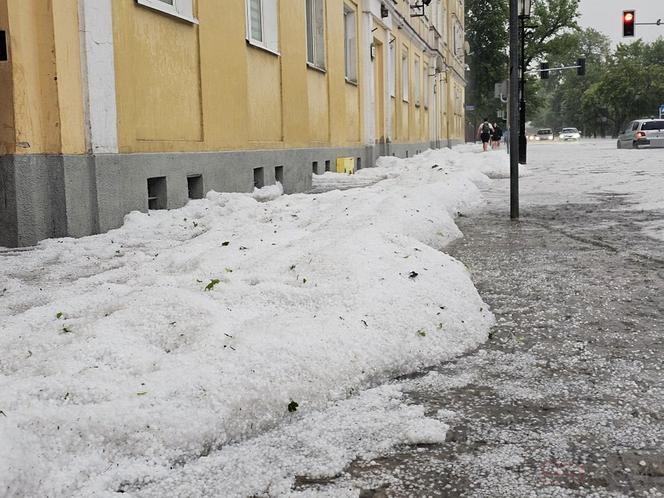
(417, 80)
(269, 26)
(315, 29)
(182, 9)
(405, 74)
(350, 43)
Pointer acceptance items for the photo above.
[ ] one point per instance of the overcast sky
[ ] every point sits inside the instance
(606, 16)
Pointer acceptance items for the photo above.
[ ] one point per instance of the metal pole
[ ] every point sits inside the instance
(523, 141)
(514, 109)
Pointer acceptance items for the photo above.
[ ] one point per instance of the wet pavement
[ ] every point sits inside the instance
(567, 396)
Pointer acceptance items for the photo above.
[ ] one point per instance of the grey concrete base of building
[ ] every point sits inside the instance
(44, 196)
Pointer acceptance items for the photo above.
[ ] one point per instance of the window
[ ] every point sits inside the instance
(179, 8)
(315, 10)
(458, 39)
(417, 79)
(426, 85)
(443, 24)
(262, 24)
(350, 38)
(404, 74)
(392, 68)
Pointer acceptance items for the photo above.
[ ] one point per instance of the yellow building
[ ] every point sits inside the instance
(109, 106)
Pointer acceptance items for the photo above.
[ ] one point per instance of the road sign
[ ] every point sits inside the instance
(661, 111)
(500, 90)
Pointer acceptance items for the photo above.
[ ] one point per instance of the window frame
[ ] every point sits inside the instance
(269, 26)
(350, 63)
(417, 80)
(405, 75)
(181, 9)
(425, 85)
(317, 58)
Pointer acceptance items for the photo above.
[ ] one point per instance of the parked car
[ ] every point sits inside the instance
(569, 134)
(642, 133)
(544, 134)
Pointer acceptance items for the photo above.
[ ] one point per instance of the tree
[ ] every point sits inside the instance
(486, 32)
(633, 84)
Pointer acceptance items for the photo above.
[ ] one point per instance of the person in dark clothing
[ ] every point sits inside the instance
(484, 132)
(497, 136)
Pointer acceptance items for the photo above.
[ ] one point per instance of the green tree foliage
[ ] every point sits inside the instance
(618, 87)
(564, 92)
(486, 32)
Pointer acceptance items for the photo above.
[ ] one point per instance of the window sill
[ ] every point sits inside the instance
(165, 8)
(261, 46)
(351, 82)
(314, 67)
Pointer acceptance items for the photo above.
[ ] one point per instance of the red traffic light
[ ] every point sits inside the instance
(629, 17)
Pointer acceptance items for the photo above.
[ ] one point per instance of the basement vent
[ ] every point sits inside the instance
(157, 192)
(195, 186)
(279, 174)
(327, 165)
(314, 167)
(259, 178)
(358, 164)
(4, 55)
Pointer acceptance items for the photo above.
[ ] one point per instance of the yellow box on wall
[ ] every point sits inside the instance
(346, 165)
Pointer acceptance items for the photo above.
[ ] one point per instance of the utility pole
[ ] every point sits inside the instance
(514, 109)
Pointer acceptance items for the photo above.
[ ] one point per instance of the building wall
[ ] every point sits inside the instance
(98, 96)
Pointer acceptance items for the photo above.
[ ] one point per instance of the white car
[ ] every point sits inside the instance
(642, 133)
(544, 134)
(569, 134)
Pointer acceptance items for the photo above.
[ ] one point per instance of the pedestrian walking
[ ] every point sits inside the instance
(497, 136)
(484, 132)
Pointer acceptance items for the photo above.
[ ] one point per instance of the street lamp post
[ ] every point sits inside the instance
(525, 7)
(514, 109)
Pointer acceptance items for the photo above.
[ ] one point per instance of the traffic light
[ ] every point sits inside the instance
(544, 70)
(629, 17)
(581, 67)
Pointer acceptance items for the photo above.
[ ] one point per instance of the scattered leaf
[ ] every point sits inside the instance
(421, 333)
(212, 283)
(59, 315)
(364, 323)
(229, 270)
(413, 274)
(292, 407)
(224, 244)
(142, 393)
(66, 330)
(304, 280)
(292, 267)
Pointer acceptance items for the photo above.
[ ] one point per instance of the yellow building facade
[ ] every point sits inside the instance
(110, 106)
